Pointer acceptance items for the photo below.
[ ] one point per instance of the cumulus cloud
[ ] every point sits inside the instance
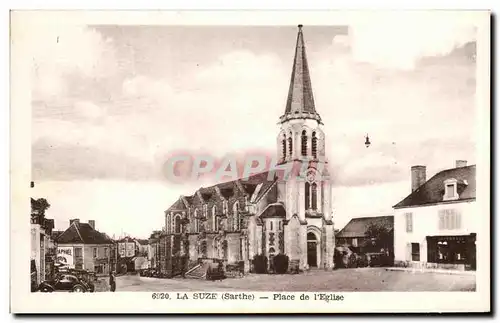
(59, 51)
(393, 40)
(148, 117)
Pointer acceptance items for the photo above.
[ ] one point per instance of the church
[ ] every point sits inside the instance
(262, 214)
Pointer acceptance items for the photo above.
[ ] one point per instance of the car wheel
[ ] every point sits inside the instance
(78, 289)
(45, 290)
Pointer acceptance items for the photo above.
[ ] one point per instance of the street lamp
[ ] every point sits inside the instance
(367, 141)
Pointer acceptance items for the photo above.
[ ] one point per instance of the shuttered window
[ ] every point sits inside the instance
(409, 222)
(449, 219)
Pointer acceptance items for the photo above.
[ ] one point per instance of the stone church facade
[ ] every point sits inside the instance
(265, 213)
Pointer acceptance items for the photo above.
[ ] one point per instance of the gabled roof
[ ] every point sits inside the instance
(432, 191)
(358, 226)
(275, 210)
(228, 189)
(143, 241)
(82, 233)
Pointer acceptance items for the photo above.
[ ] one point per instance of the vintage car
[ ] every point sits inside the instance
(65, 282)
(85, 276)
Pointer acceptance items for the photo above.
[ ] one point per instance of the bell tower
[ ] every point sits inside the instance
(301, 145)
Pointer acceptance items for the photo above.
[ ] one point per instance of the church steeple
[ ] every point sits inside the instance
(300, 102)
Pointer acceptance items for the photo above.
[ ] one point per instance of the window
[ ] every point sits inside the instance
(307, 197)
(236, 216)
(409, 222)
(196, 228)
(214, 218)
(314, 195)
(354, 242)
(304, 143)
(205, 211)
(415, 251)
(177, 223)
(290, 145)
(78, 252)
(280, 225)
(314, 145)
(449, 219)
(283, 143)
(450, 191)
(271, 225)
(106, 252)
(224, 207)
(95, 252)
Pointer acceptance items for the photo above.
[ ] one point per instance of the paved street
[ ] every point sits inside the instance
(365, 279)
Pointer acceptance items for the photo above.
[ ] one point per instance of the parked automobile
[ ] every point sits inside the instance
(378, 259)
(65, 282)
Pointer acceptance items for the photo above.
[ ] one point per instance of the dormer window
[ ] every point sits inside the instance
(450, 190)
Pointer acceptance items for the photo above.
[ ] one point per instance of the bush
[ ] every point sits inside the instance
(280, 263)
(260, 264)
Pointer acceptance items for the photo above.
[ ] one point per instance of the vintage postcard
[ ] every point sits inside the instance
(250, 162)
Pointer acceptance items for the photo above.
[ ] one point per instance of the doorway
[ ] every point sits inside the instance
(312, 250)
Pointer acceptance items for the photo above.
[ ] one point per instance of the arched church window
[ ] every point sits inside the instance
(314, 194)
(304, 143)
(290, 145)
(314, 145)
(307, 195)
(236, 217)
(283, 143)
(177, 223)
(214, 219)
(196, 227)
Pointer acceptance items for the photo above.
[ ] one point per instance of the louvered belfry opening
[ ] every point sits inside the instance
(304, 143)
(314, 146)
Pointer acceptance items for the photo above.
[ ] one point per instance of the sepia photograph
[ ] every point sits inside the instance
(290, 158)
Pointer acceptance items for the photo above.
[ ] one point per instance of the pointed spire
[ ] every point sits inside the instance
(300, 102)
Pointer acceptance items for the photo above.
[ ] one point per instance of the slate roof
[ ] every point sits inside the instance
(228, 189)
(82, 233)
(275, 210)
(358, 226)
(432, 191)
(300, 95)
(143, 241)
(56, 234)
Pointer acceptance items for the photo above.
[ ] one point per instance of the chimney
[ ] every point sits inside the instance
(92, 224)
(77, 221)
(417, 177)
(460, 163)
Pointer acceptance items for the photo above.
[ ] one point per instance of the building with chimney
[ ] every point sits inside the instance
(436, 224)
(81, 246)
(265, 214)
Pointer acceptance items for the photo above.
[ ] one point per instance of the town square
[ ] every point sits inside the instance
(296, 158)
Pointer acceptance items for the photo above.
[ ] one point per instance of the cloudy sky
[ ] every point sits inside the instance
(109, 104)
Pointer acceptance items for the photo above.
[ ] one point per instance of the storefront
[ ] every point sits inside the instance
(452, 251)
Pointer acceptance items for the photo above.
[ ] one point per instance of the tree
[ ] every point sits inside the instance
(39, 206)
(380, 235)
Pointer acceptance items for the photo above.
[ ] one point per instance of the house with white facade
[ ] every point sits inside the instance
(436, 225)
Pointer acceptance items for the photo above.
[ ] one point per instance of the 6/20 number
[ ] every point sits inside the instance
(160, 296)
